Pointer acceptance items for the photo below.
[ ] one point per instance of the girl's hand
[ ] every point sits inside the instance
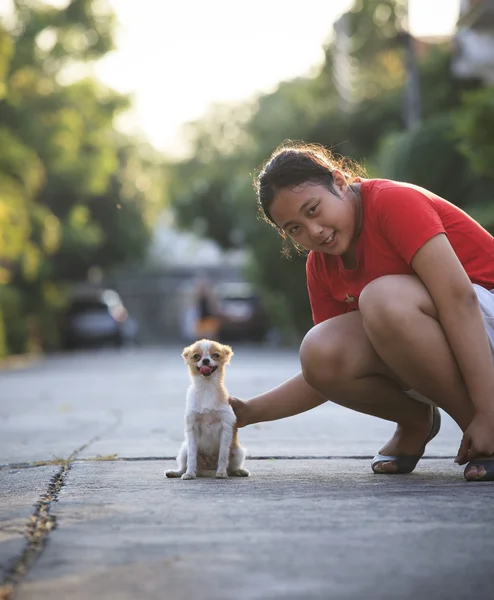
(241, 410)
(478, 439)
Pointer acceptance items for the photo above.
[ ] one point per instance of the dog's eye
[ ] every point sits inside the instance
(216, 355)
(196, 356)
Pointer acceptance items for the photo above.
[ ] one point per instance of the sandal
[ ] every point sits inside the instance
(406, 463)
(487, 463)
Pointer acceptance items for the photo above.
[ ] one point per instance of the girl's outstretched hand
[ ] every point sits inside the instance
(241, 410)
(478, 439)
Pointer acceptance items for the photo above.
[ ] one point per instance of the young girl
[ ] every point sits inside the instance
(401, 286)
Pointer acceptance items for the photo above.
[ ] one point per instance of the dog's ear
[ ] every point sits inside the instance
(228, 352)
(187, 352)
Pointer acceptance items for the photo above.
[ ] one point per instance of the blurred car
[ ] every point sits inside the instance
(98, 318)
(241, 312)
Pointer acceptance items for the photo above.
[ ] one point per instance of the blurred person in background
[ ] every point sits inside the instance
(401, 286)
(205, 310)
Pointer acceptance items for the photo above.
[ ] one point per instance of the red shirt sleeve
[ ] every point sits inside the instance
(322, 303)
(407, 218)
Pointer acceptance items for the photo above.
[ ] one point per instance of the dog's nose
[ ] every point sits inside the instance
(205, 361)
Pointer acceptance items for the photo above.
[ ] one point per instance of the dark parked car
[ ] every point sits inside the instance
(241, 311)
(98, 318)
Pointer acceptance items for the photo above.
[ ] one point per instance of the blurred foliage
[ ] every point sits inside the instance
(12, 309)
(3, 337)
(375, 28)
(474, 125)
(6, 49)
(211, 190)
(408, 156)
(74, 193)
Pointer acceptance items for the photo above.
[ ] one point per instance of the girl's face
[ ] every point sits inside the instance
(316, 218)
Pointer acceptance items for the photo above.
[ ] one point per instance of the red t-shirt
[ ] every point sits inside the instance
(398, 218)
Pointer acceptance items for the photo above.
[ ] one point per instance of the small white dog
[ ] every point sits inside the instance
(211, 444)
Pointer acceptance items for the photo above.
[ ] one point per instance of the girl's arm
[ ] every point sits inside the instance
(290, 398)
(461, 319)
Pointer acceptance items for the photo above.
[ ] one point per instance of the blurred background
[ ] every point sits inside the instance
(130, 131)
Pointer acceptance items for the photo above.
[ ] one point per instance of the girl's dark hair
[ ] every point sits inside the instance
(293, 164)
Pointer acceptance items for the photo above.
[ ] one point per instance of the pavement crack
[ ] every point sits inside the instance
(41, 522)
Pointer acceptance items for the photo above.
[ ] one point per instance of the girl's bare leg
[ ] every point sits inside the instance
(339, 362)
(394, 343)
(400, 320)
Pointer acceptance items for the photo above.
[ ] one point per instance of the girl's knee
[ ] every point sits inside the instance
(392, 301)
(379, 292)
(322, 358)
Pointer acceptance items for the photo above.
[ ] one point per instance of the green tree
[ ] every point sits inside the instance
(413, 156)
(63, 167)
(474, 126)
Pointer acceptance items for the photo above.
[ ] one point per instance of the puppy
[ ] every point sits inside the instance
(211, 445)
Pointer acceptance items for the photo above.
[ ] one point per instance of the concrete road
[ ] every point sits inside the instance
(85, 511)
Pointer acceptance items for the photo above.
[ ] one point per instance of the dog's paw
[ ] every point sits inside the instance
(240, 473)
(189, 476)
(170, 473)
(221, 475)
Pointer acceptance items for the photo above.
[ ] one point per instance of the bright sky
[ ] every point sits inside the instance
(178, 57)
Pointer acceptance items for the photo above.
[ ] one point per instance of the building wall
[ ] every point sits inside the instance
(474, 41)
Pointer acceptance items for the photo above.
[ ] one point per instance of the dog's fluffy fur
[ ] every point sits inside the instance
(211, 444)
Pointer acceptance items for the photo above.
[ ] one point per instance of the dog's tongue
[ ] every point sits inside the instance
(205, 370)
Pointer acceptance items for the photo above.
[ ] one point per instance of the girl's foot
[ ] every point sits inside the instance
(480, 469)
(408, 441)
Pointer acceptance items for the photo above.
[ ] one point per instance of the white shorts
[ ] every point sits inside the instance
(486, 301)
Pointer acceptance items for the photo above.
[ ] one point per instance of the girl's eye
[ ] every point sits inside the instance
(196, 356)
(293, 230)
(216, 355)
(312, 209)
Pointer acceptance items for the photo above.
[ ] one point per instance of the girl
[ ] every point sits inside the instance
(401, 286)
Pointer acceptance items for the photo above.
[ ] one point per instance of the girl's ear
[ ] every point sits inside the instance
(340, 183)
